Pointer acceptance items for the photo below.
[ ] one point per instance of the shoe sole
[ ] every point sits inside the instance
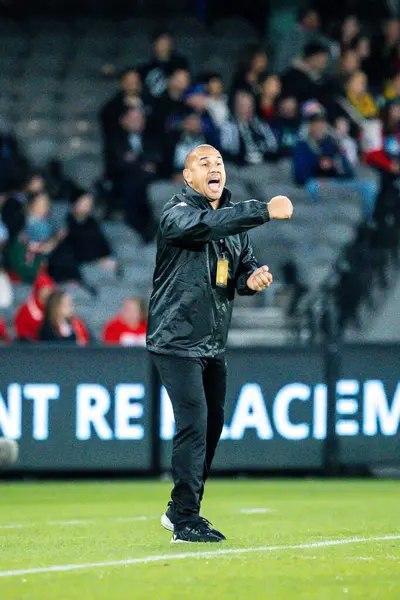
(167, 523)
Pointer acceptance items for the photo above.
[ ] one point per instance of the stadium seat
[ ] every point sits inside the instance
(84, 170)
(95, 26)
(140, 26)
(133, 50)
(79, 127)
(32, 84)
(79, 145)
(103, 45)
(79, 106)
(162, 191)
(43, 26)
(13, 45)
(40, 149)
(9, 65)
(184, 24)
(51, 42)
(235, 27)
(38, 106)
(33, 127)
(10, 27)
(117, 231)
(91, 65)
(44, 63)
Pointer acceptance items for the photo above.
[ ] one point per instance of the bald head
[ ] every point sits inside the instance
(197, 152)
(205, 172)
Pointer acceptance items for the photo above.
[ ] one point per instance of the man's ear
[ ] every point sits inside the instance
(187, 175)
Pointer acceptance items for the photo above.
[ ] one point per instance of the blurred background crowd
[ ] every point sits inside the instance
(97, 113)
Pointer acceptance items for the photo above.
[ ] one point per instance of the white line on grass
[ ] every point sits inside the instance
(76, 522)
(361, 558)
(215, 554)
(255, 511)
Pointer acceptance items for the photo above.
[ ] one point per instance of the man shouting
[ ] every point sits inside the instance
(203, 257)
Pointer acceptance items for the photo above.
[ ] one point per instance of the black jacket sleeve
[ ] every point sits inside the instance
(186, 224)
(248, 264)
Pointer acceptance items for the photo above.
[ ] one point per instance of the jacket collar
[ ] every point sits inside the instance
(202, 200)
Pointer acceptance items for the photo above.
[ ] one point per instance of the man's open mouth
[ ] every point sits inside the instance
(214, 183)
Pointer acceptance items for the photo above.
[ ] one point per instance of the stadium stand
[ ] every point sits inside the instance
(57, 75)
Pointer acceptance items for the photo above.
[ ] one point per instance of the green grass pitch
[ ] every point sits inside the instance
(296, 539)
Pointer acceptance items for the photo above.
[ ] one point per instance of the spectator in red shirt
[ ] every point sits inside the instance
(4, 335)
(128, 327)
(29, 316)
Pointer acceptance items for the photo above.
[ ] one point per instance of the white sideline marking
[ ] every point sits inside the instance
(362, 558)
(76, 522)
(255, 511)
(216, 554)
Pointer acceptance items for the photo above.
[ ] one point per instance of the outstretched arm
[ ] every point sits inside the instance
(184, 223)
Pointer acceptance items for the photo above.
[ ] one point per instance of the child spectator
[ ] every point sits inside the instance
(60, 323)
(128, 327)
(27, 252)
(29, 316)
(39, 227)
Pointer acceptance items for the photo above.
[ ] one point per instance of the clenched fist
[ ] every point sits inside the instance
(260, 279)
(280, 207)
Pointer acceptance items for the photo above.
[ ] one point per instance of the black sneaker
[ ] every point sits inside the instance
(168, 519)
(194, 533)
(211, 528)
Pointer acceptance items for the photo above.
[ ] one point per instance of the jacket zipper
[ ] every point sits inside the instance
(212, 294)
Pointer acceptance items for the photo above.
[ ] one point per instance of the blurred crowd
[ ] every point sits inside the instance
(332, 107)
(324, 105)
(48, 315)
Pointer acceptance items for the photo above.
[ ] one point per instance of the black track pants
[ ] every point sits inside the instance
(197, 388)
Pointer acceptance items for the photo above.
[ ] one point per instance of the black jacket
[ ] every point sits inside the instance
(188, 314)
(47, 334)
(87, 239)
(118, 148)
(298, 83)
(155, 73)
